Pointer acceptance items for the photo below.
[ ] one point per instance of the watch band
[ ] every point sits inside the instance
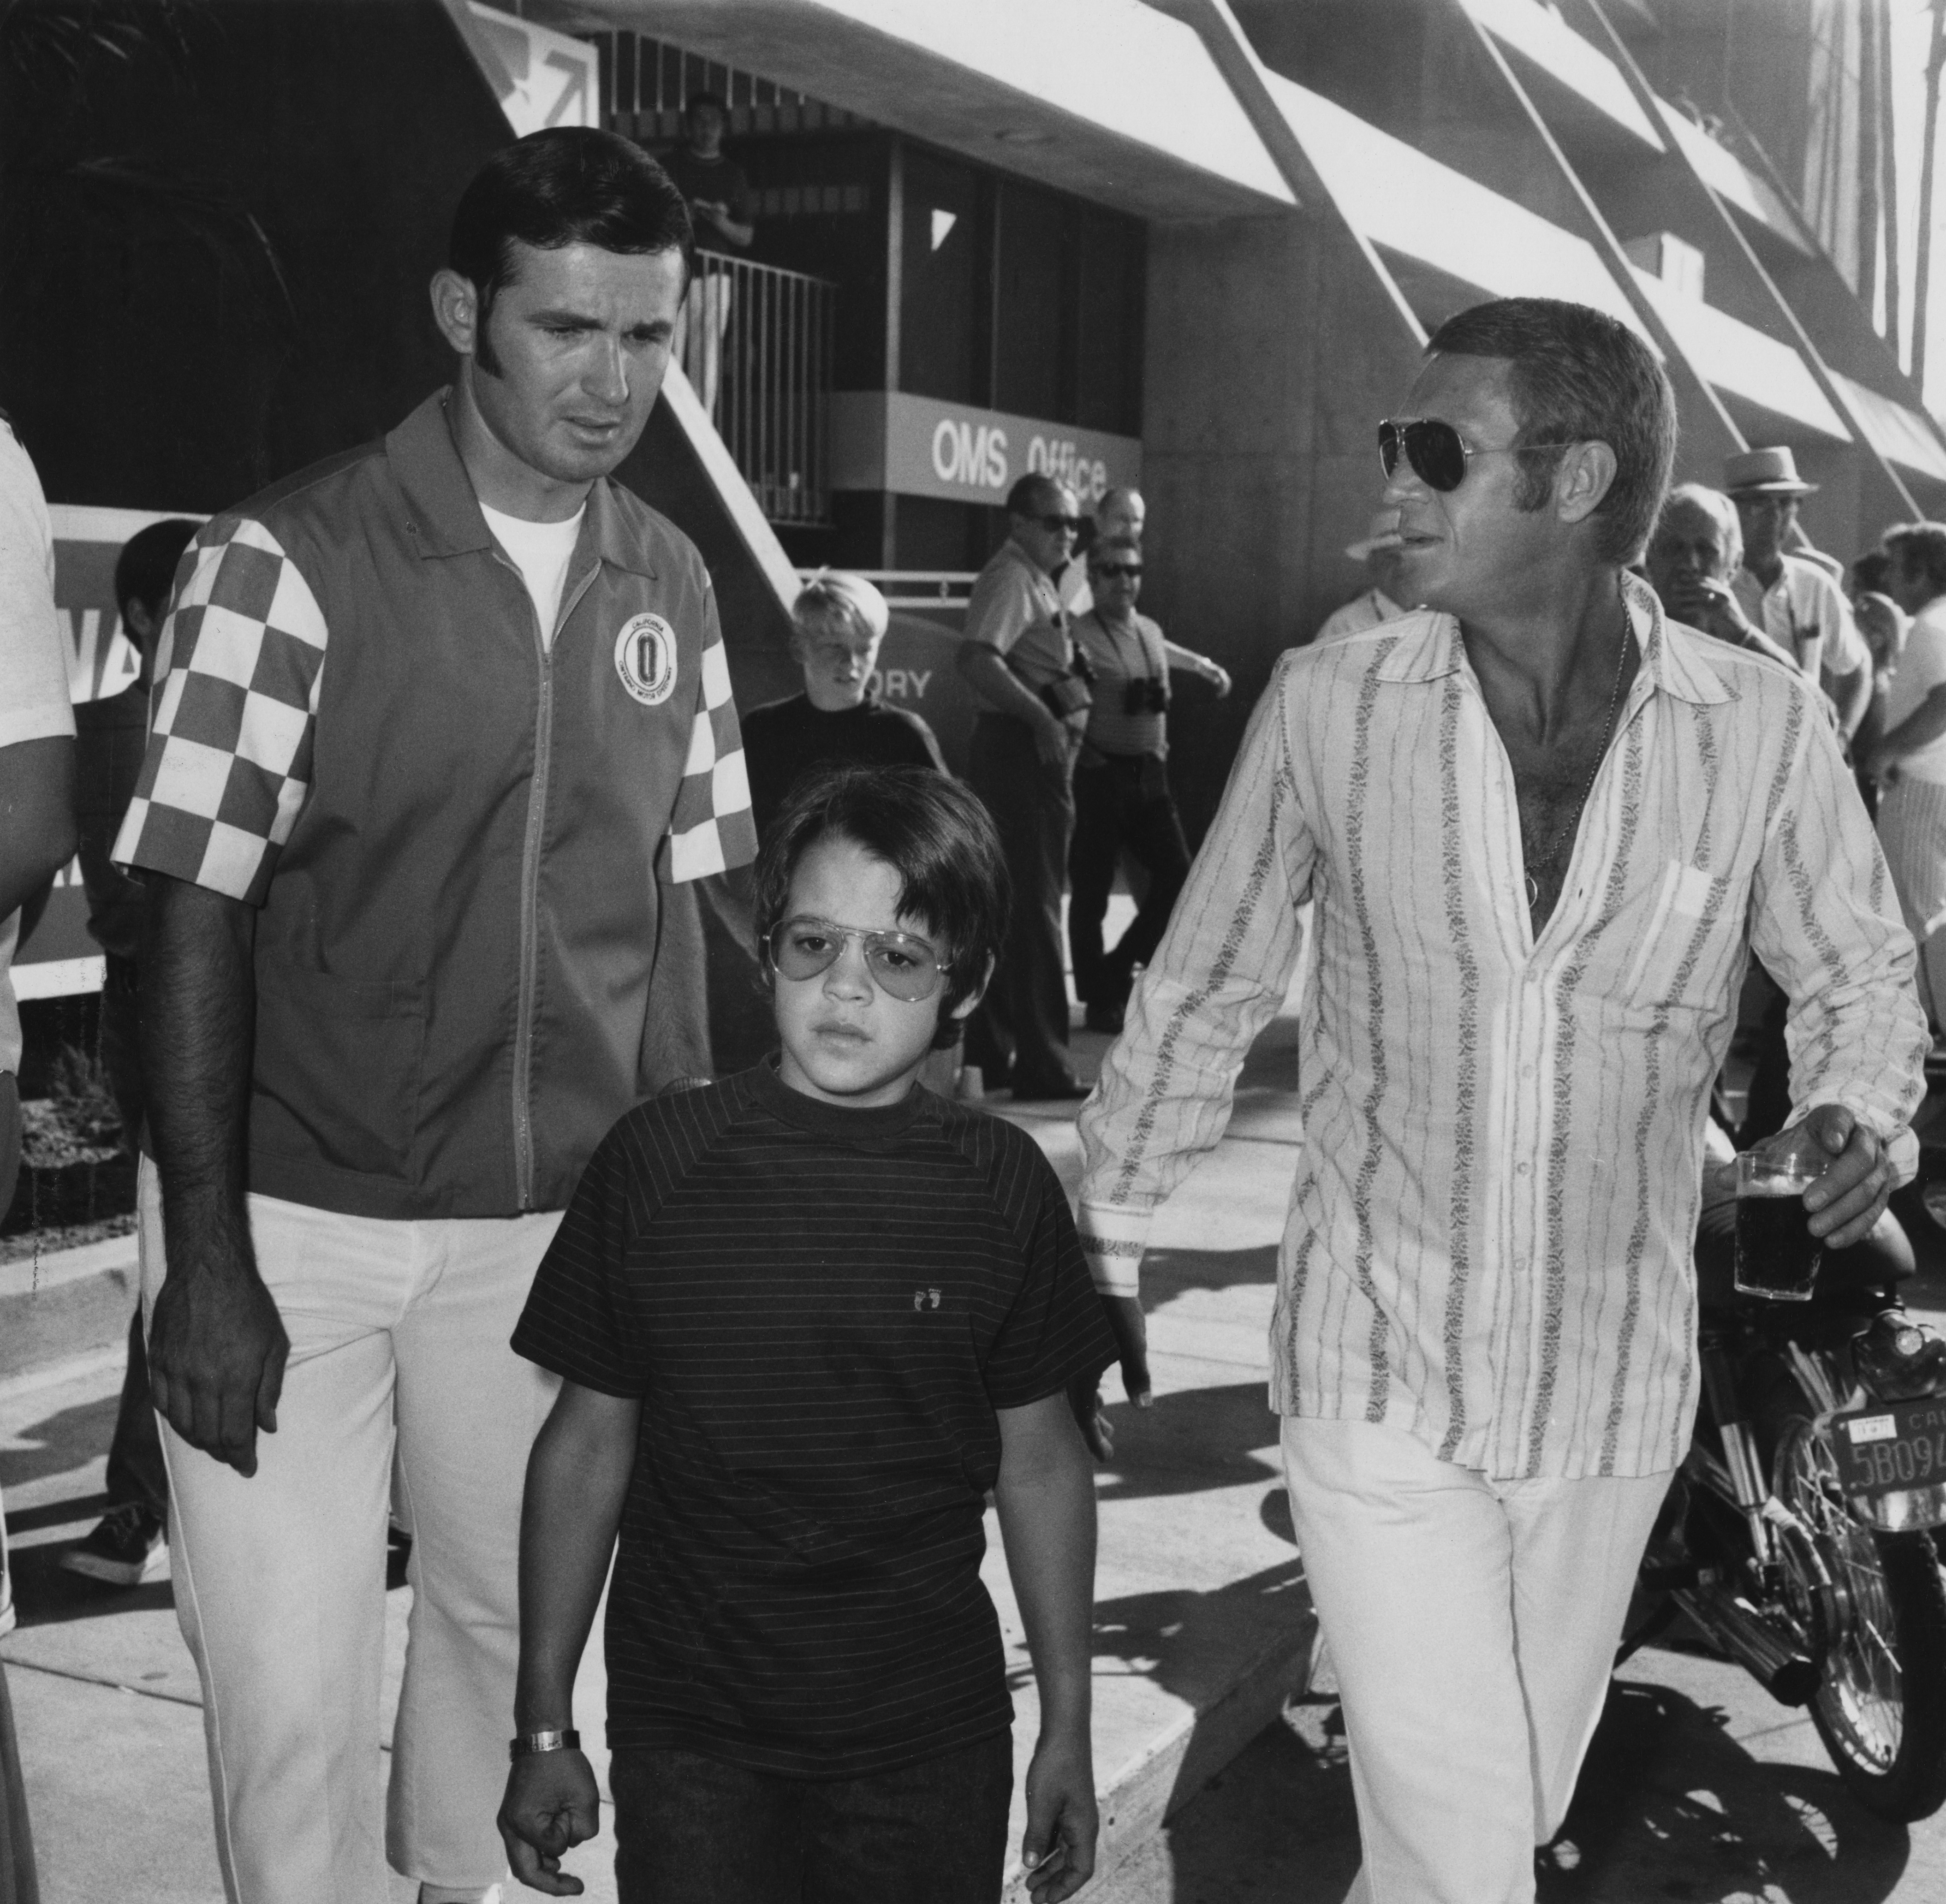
(528, 1743)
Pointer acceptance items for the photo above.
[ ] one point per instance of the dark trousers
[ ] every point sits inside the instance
(1123, 802)
(692, 1830)
(1023, 1020)
(135, 1470)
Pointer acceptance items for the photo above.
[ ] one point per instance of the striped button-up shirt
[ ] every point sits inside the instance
(1489, 1239)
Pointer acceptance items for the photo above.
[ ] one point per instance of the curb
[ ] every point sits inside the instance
(85, 1294)
(1144, 1793)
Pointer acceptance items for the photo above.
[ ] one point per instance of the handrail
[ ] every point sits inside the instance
(756, 341)
(949, 588)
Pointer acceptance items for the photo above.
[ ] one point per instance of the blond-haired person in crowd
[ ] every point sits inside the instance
(837, 623)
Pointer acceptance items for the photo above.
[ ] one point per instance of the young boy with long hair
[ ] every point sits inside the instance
(806, 1319)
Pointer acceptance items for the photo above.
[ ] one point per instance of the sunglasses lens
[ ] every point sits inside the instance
(802, 949)
(1433, 449)
(1437, 453)
(903, 970)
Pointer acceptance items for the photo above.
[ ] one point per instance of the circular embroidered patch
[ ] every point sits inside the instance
(645, 659)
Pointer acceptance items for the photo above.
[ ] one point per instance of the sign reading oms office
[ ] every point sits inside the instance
(917, 446)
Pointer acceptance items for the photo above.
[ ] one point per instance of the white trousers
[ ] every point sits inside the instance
(401, 1385)
(1473, 1624)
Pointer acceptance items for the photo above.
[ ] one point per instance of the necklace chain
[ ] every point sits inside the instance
(1547, 860)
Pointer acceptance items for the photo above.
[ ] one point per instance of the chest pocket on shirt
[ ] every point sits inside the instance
(1675, 962)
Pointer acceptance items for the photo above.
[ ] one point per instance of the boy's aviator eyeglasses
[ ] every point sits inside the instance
(1437, 451)
(901, 966)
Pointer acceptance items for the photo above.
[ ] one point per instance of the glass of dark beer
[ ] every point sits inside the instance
(1777, 1255)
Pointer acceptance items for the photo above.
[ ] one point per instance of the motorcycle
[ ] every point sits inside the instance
(1798, 1535)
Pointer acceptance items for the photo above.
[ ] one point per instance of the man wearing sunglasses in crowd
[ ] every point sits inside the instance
(1540, 826)
(1122, 797)
(1019, 659)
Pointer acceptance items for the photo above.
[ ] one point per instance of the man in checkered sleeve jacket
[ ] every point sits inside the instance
(440, 727)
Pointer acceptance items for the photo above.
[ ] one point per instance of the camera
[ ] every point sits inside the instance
(1147, 696)
(1067, 694)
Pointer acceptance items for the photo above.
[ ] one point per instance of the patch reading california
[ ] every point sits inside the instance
(645, 659)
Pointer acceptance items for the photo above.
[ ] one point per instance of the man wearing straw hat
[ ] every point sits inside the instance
(1376, 549)
(1792, 600)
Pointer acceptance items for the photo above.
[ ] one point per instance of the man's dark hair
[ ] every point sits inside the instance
(696, 99)
(146, 569)
(1920, 547)
(1035, 495)
(1871, 573)
(1579, 375)
(932, 831)
(566, 185)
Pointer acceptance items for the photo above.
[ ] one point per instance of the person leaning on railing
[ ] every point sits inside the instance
(1122, 797)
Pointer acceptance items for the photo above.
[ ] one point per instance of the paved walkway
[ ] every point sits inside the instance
(1202, 1621)
(1699, 1787)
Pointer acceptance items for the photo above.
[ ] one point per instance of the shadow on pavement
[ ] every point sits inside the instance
(1173, 1272)
(1277, 1825)
(1669, 1806)
(1169, 1636)
(60, 1443)
(1192, 1441)
(47, 1594)
(1272, 1064)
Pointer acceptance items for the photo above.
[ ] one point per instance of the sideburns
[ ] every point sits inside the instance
(484, 355)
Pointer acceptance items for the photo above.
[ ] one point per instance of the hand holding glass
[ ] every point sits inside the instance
(1776, 1255)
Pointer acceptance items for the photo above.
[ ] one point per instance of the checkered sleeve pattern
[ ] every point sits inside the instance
(712, 828)
(238, 671)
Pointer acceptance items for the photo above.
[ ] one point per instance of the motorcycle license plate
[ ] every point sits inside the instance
(1894, 1446)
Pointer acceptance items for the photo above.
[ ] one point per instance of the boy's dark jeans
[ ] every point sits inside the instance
(692, 1830)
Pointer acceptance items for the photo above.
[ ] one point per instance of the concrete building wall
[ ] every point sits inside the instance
(1272, 354)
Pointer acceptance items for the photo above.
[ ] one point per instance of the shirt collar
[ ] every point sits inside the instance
(442, 513)
(1428, 647)
(1014, 552)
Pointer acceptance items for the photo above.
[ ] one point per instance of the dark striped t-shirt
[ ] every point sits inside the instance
(820, 1309)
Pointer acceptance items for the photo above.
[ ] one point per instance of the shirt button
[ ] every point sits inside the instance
(1521, 1169)
(1526, 1071)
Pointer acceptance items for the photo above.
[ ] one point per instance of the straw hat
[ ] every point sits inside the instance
(1764, 472)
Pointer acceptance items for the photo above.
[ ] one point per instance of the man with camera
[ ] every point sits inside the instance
(1122, 798)
(1019, 661)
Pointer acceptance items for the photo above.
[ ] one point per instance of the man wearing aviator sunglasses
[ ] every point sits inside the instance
(1122, 797)
(1538, 828)
(1439, 456)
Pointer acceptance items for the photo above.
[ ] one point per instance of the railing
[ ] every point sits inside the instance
(756, 342)
(916, 588)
